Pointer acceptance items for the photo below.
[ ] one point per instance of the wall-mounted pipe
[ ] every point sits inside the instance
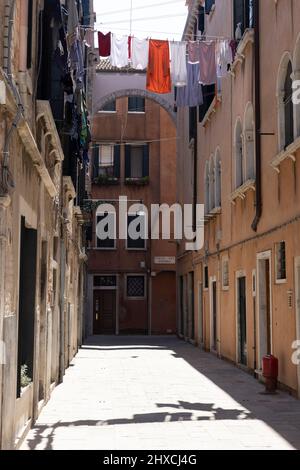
(258, 193)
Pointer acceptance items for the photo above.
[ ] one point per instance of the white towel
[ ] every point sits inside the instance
(139, 53)
(178, 63)
(119, 51)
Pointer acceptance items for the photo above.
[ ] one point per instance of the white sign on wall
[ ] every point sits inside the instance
(165, 260)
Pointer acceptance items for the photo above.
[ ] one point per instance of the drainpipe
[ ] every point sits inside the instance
(258, 194)
(6, 179)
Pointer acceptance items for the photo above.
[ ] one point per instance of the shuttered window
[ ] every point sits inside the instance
(136, 161)
(136, 104)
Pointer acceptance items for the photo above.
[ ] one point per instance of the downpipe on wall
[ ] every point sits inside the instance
(258, 193)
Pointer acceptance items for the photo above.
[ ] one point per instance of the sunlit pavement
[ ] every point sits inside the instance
(161, 393)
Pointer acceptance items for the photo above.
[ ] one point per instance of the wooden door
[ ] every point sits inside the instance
(104, 312)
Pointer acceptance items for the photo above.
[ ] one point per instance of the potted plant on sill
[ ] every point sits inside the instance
(105, 180)
(143, 181)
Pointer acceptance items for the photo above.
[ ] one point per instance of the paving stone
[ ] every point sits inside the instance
(161, 393)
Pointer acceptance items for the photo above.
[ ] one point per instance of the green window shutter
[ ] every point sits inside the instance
(146, 160)
(96, 160)
(127, 161)
(117, 161)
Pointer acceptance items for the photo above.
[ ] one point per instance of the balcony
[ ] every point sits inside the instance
(288, 153)
(248, 38)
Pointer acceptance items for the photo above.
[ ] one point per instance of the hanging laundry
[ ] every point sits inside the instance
(139, 53)
(233, 46)
(223, 58)
(191, 94)
(119, 51)
(193, 51)
(104, 41)
(73, 20)
(207, 61)
(178, 63)
(158, 72)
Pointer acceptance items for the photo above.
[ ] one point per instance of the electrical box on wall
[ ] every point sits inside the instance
(2, 92)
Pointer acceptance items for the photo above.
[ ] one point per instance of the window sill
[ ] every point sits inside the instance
(137, 181)
(212, 214)
(280, 281)
(136, 112)
(289, 152)
(242, 190)
(247, 38)
(107, 181)
(211, 110)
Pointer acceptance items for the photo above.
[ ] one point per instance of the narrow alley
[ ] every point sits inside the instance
(159, 392)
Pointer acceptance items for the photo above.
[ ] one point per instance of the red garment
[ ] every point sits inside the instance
(158, 72)
(104, 41)
(129, 47)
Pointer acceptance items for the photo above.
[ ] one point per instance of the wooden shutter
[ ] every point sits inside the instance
(117, 161)
(146, 160)
(96, 160)
(127, 161)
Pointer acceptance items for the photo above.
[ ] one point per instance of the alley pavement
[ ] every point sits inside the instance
(161, 393)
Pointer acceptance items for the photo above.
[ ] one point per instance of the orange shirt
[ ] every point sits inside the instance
(158, 71)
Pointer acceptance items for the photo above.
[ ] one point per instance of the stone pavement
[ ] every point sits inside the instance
(161, 393)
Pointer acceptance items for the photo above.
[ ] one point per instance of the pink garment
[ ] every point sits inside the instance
(207, 61)
(193, 52)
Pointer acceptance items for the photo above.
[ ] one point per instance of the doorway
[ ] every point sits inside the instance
(264, 305)
(241, 320)
(104, 317)
(213, 314)
(297, 296)
(200, 314)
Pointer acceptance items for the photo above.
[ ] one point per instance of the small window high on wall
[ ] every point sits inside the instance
(109, 107)
(136, 104)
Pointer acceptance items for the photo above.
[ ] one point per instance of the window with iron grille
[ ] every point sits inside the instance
(135, 286)
(105, 281)
(280, 261)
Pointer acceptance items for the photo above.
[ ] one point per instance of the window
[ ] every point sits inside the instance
(209, 5)
(225, 274)
(109, 107)
(249, 143)
(135, 286)
(136, 104)
(105, 281)
(243, 17)
(136, 231)
(218, 201)
(212, 204)
(136, 161)
(209, 92)
(285, 103)
(280, 261)
(239, 157)
(288, 107)
(106, 231)
(205, 275)
(206, 185)
(107, 161)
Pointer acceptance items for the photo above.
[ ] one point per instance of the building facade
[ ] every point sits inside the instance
(131, 283)
(240, 295)
(42, 259)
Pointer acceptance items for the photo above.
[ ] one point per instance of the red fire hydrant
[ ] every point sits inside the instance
(270, 372)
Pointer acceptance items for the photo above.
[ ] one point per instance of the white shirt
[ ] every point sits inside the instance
(119, 51)
(139, 53)
(178, 63)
